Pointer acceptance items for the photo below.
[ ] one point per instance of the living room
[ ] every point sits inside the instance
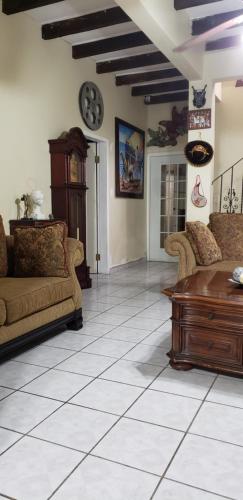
(101, 395)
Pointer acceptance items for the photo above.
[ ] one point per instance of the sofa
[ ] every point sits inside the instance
(228, 232)
(33, 307)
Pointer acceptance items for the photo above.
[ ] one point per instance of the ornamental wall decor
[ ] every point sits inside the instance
(169, 130)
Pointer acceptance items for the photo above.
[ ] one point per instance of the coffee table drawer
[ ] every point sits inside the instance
(198, 342)
(211, 316)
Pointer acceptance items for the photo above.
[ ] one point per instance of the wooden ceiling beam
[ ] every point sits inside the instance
(199, 26)
(147, 76)
(187, 4)
(131, 62)
(14, 6)
(160, 99)
(160, 87)
(224, 43)
(89, 22)
(110, 45)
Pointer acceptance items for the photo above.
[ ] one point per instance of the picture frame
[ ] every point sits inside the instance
(129, 160)
(199, 119)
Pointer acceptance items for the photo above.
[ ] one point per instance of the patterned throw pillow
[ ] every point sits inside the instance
(203, 243)
(228, 232)
(41, 251)
(3, 251)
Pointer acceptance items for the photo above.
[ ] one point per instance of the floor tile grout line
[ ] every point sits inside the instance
(199, 489)
(182, 440)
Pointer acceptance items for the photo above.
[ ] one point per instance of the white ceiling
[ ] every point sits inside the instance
(214, 8)
(68, 8)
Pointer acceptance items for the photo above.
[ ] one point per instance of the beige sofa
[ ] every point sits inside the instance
(230, 241)
(33, 307)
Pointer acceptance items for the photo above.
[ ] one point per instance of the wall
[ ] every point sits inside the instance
(229, 137)
(39, 86)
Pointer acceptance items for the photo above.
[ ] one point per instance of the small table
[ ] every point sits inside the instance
(207, 323)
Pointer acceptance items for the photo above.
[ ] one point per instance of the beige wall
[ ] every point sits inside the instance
(39, 86)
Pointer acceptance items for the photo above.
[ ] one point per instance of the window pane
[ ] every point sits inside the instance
(162, 240)
(182, 172)
(182, 189)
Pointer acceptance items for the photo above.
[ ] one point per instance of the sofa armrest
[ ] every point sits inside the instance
(76, 256)
(177, 244)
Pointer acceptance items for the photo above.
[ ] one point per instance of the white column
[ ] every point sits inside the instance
(207, 172)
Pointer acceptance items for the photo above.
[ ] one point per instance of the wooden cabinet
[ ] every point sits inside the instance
(207, 323)
(68, 187)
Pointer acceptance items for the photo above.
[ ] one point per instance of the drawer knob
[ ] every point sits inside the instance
(210, 315)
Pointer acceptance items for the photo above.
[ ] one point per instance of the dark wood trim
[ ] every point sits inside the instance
(89, 22)
(131, 62)
(112, 44)
(14, 6)
(187, 4)
(224, 43)
(160, 87)
(160, 99)
(199, 26)
(73, 320)
(147, 76)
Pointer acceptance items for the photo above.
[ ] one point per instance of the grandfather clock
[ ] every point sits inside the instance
(68, 187)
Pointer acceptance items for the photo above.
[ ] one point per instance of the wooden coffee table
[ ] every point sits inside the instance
(207, 323)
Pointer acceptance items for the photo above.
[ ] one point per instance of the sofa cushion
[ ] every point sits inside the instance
(3, 251)
(25, 296)
(228, 232)
(224, 265)
(41, 251)
(203, 243)
(2, 312)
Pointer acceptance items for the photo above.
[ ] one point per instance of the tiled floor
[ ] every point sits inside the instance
(98, 414)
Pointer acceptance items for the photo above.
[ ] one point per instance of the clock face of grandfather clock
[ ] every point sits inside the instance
(68, 186)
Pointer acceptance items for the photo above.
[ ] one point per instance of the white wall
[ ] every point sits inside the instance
(39, 86)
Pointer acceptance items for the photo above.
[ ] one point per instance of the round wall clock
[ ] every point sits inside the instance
(91, 105)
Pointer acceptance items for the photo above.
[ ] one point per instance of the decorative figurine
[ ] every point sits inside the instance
(28, 205)
(19, 210)
(37, 198)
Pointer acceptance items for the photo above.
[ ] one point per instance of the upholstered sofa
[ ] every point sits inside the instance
(228, 232)
(31, 308)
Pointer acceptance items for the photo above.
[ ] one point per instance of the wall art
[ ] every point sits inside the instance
(199, 97)
(91, 105)
(129, 160)
(198, 153)
(197, 196)
(169, 130)
(199, 119)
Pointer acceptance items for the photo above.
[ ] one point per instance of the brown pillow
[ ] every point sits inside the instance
(41, 251)
(3, 251)
(203, 243)
(228, 232)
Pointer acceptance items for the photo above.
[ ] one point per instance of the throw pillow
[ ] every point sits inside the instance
(41, 251)
(203, 243)
(228, 232)
(3, 251)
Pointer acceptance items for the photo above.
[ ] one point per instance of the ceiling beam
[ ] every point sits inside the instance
(14, 6)
(131, 62)
(110, 45)
(147, 76)
(187, 4)
(160, 99)
(224, 43)
(89, 22)
(160, 87)
(199, 26)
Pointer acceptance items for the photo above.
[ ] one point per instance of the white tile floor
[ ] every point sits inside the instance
(98, 414)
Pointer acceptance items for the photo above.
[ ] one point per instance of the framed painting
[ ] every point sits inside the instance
(129, 160)
(199, 119)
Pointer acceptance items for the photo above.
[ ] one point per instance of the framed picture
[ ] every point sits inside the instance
(129, 160)
(199, 119)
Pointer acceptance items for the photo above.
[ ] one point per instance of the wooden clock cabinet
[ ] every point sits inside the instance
(68, 187)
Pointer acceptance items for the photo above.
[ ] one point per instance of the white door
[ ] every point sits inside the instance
(167, 202)
(91, 208)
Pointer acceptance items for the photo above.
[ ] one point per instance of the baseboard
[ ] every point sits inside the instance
(114, 269)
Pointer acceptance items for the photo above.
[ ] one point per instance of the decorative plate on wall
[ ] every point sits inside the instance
(91, 105)
(198, 153)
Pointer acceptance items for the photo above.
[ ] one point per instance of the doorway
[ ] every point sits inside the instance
(166, 202)
(97, 222)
